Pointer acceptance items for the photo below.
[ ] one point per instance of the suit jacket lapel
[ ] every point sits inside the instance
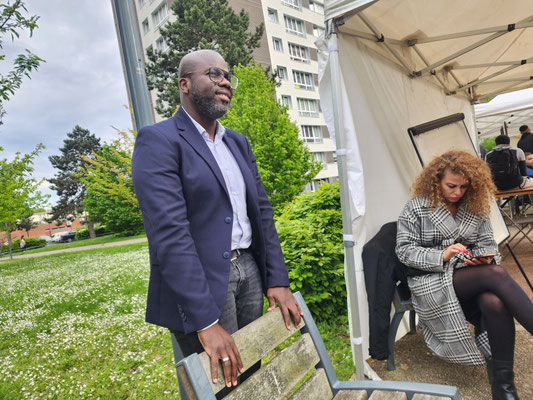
(189, 132)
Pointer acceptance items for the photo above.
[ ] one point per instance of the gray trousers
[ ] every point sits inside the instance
(244, 304)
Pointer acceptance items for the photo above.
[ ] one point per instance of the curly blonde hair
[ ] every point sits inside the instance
(480, 190)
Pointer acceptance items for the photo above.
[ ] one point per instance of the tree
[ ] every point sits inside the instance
(12, 21)
(19, 194)
(71, 191)
(110, 195)
(25, 223)
(284, 162)
(199, 24)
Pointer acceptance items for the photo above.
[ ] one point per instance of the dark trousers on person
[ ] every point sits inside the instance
(244, 304)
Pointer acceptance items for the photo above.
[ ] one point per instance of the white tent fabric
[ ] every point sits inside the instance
(425, 35)
(513, 109)
(389, 83)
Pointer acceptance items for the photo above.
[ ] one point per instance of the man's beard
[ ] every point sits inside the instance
(206, 106)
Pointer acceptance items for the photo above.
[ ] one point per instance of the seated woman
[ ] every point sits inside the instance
(445, 238)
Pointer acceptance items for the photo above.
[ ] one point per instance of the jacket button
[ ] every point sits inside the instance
(225, 255)
(227, 220)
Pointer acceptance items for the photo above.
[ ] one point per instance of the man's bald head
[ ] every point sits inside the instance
(197, 60)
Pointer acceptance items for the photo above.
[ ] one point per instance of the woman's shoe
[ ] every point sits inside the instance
(502, 385)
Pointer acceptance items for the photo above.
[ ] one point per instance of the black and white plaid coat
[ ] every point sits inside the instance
(423, 235)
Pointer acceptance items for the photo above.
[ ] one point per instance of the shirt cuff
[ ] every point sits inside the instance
(208, 326)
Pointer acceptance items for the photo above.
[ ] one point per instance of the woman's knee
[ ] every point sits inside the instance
(497, 272)
(491, 304)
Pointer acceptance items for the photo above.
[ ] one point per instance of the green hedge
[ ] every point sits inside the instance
(31, 243)
(310, 231)
(84, 233)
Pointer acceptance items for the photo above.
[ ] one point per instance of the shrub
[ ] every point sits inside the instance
(98, 230)
(310, 231)
(34, 242)
(30, 243)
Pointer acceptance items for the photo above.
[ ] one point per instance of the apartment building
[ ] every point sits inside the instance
(291, 28)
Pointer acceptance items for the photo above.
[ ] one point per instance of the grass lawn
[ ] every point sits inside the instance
(72, 327)
(77, 243)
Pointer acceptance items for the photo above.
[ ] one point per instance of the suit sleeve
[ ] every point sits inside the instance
(409, 248)
(155, 170)
(275, 264)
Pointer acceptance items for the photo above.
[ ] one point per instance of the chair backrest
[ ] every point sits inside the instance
(276, 378)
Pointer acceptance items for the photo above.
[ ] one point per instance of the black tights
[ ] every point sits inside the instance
(500, 299)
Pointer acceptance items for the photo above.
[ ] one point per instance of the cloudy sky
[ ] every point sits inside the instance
(81, 83)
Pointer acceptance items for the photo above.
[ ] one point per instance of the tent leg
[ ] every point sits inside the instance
(356, 340)
(519, 266)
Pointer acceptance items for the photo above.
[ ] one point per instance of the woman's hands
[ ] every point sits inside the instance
(456, 248)
(452, 250)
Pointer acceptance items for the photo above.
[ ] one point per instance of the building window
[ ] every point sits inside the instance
(282, 73)
(303, 80)
(286, 101)
(307, 107)
(294, 26)
(161, 45)
(312, 133)
(321, 156)
(273, 15)
(277, 44)
(141, 3)
(299, 53)
(316, 6)
(160, 15)
(146, 27)
(293, 3)
(317, 30)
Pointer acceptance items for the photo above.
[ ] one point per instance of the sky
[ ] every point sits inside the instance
(81, 82)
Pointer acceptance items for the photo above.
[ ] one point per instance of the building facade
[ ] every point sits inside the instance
(291, 28)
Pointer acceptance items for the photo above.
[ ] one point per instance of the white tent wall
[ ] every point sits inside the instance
(378, 103)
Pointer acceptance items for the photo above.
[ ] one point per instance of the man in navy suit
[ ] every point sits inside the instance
(213, 245)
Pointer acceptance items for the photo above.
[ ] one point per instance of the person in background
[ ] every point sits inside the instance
(529, 164)
(22, 243)
(516, 177)
(482, 151)
(526, 139)
(445, 239)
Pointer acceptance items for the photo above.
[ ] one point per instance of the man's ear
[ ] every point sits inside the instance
(184, 85)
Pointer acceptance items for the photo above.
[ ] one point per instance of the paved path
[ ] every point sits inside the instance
(73, 249)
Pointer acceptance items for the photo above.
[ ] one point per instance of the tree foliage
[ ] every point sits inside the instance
(80, 143)
(284, 162)
(19, 194)
(199, 24)
(310, 231)
(110, 195)
(489, 143)
(12, 22)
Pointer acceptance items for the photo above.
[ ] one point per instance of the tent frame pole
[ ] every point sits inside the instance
(466, 49)
(351, 281)
(497, 29)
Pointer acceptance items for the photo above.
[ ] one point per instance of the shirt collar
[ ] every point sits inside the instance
(219, 133)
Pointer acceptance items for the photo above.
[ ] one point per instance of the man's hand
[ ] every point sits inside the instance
(287, 303)
(219, 345)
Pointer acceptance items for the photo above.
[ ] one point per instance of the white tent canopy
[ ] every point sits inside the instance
(388, 65)
(512, 109)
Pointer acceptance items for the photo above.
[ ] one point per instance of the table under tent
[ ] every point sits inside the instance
(390, 65)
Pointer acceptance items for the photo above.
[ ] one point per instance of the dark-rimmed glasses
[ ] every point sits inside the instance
(217, 75)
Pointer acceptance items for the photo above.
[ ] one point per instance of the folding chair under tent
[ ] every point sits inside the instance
(388, 65)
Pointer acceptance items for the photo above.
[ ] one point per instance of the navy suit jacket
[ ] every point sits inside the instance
(188, 219)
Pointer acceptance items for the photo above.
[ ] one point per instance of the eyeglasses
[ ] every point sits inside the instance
(217, 75)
